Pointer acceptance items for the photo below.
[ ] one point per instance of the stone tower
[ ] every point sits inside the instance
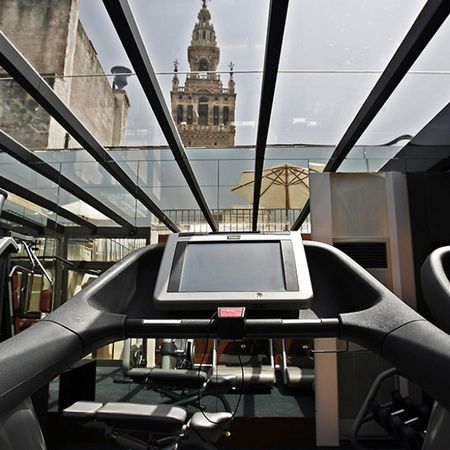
(203, 109)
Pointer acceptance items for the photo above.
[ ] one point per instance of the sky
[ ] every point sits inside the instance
(340, 47)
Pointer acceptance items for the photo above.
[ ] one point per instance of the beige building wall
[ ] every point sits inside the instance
(50, 36)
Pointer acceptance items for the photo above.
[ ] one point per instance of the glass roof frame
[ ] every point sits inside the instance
(427, 23)
(126, 27)
(37, 199)
(25, 74)
(274, 41)
(31, 160)
(429, 20)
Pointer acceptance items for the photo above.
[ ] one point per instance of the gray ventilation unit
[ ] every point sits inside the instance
(370, 255)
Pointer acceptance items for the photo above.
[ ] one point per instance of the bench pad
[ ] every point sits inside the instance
(82, 410)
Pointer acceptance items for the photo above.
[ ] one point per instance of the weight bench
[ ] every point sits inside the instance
(298, 369)
(175, 378)
(257, 360)
(167, 422)
(190, 383)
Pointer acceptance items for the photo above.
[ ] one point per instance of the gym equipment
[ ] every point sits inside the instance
(435, 279)
(134, 356)
(179, 381)
(298, 369)
(185, 387)
(165, 426)
(7, 247)
(21, 292)
(248, 364)
(400, 417)
(348, 302)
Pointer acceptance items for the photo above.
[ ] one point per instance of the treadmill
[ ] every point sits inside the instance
(227, 286)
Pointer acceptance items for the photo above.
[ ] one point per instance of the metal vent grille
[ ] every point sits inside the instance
(370, 255)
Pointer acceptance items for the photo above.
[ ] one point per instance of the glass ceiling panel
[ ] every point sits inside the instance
(29, 179)
(159, 179)
(27, 210)
(84, 51)
(332, 55)
(102, 105)
(423, 92)
(248, 92)
(140, 125)
(24, 120)
(94, 179)
(240, 30)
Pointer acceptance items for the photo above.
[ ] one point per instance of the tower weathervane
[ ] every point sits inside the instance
(175, 65)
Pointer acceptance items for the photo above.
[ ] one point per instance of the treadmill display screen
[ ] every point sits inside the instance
(232, 267)
(253, 270)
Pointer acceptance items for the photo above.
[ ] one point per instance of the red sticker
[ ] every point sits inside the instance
(225, 313)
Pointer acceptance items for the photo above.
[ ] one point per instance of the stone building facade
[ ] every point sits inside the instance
(203, 109)
(49, 34)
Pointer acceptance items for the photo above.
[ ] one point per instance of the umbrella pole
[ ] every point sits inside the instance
(288, 202)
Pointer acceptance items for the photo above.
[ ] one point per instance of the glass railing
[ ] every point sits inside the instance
(225, 176)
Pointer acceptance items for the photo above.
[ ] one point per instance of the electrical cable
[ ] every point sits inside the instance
(200, 368)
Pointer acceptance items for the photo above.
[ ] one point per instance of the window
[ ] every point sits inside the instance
(204, 35)
(190, 114)
(203, 111)
(226, 115)
(216, 115)
(203, 65)
(179, 113)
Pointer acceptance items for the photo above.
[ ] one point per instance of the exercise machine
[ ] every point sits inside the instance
(262, 280)
(248, 364)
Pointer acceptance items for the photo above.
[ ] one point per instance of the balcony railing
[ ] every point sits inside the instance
(238, 219)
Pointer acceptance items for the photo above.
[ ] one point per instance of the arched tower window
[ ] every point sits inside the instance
(216, 115)
(204, 35)
(179, 113)
(226, 115)
(203, 65)
(190, 114)
(203, 111)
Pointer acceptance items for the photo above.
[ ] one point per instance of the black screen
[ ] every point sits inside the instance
(233, 267)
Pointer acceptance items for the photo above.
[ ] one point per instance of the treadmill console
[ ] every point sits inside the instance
(255, 270)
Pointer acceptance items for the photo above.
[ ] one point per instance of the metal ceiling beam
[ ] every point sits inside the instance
(275, 32)
(108, 232)
(428, 150)
(441, 166)
(428, 21)
(51, 228)
(125, 24)
(31, 160)
(24, 73)
(44, 203)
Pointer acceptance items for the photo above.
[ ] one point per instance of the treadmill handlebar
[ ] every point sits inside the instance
(253, 328)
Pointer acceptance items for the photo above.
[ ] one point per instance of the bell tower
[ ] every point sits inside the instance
(203, 109)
